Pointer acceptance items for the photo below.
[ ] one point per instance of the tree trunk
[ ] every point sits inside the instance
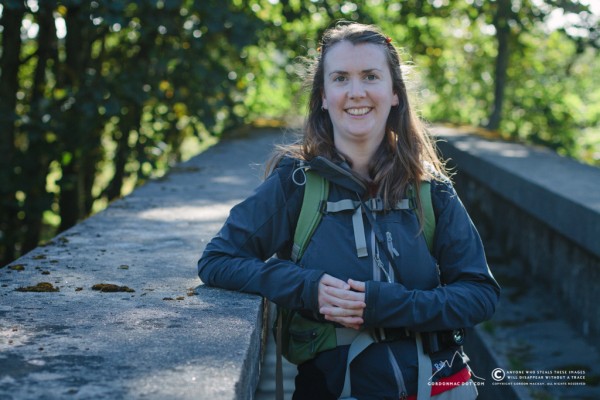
(113, 190)
(131, 121)
(9, 85)
(501, 19)
(39, 156)
(94, 152)
(127, 123)
(69, 200)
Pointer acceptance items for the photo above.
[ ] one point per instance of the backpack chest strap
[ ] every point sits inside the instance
(358, 225)
(374, 204)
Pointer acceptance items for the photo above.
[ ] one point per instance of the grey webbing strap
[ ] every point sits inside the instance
(375, 204)
(295, 252)
(341, 205)
(278, 360)
(404, 204)
(425, 371)
(345, 336)
(360, 342)
(357, 222)
(397, 373)
(359, 233)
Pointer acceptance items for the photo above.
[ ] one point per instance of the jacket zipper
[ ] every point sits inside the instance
(390, 244)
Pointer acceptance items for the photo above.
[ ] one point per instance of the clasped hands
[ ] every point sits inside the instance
(342, 302)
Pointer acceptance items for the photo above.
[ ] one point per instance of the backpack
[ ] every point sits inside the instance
(300, 339)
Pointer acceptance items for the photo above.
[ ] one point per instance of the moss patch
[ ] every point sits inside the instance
(109, 287)
(40, 287)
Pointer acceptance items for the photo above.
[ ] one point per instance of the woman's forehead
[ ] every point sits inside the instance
(348, 57)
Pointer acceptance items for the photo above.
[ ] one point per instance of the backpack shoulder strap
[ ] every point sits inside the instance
(316, 191)
(428, 214)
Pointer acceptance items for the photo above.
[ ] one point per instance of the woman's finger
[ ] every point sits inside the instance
(357, 285)
(334, 311)
(345, 294)
(348, 322)
(329, 280)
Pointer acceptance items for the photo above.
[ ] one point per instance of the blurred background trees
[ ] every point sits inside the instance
(99, 96)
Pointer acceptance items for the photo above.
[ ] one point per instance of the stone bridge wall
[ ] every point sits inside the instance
(537, 211)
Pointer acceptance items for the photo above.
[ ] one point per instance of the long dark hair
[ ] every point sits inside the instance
(407, 155)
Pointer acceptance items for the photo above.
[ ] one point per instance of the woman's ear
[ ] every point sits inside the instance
(395, 100)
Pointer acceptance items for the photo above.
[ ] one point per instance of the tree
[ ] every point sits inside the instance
(68, 94)
(9, 87)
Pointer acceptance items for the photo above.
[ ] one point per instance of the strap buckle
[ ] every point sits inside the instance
(383, 335)
(375, 204)
(436, 341)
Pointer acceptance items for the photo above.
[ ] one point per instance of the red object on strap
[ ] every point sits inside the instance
(447, 383)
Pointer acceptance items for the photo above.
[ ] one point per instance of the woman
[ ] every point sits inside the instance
(410, 302)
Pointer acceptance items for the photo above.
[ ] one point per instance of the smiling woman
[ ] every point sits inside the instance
(372, 302)
(358, 96)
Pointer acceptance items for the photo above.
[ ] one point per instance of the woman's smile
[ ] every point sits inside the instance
(357, 112)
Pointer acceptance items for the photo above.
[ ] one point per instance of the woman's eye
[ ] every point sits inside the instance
(339, 78)
(371, 77)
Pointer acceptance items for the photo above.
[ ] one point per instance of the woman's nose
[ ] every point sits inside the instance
(356, 89)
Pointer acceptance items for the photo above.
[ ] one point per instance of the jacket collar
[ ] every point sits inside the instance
(340, 174)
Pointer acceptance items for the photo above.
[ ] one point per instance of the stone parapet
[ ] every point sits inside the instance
(537, 211)
(154, 332)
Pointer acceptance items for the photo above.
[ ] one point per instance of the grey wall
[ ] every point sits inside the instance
(536, 211)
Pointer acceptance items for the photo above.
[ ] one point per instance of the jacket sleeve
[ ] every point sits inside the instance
(468, 293)
(238, 258)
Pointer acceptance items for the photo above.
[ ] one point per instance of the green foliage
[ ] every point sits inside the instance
(99, 96)
(112, 86)
(549, 96)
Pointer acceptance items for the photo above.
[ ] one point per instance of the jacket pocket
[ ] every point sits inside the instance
(307, 338)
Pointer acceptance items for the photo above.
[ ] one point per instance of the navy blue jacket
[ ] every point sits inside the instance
(450, 287)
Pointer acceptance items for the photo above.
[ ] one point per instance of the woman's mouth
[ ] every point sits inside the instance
(359, 111)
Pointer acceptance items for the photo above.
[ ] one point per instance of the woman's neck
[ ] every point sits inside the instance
(359, 156)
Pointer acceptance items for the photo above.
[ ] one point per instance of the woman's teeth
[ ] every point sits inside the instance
(358, 111)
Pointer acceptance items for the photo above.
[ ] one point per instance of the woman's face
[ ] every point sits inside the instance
(357, 92)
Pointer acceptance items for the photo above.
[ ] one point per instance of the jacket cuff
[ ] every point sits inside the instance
(371, 295)
(312, 291)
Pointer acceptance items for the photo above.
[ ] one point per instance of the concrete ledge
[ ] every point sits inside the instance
(169, 337)
(539, 218)
(562, 193)
(540, 211)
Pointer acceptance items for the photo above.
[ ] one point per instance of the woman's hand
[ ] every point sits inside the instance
(342, 302)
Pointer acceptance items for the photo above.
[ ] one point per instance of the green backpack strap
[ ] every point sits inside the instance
(428, 214)
(316, 190)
